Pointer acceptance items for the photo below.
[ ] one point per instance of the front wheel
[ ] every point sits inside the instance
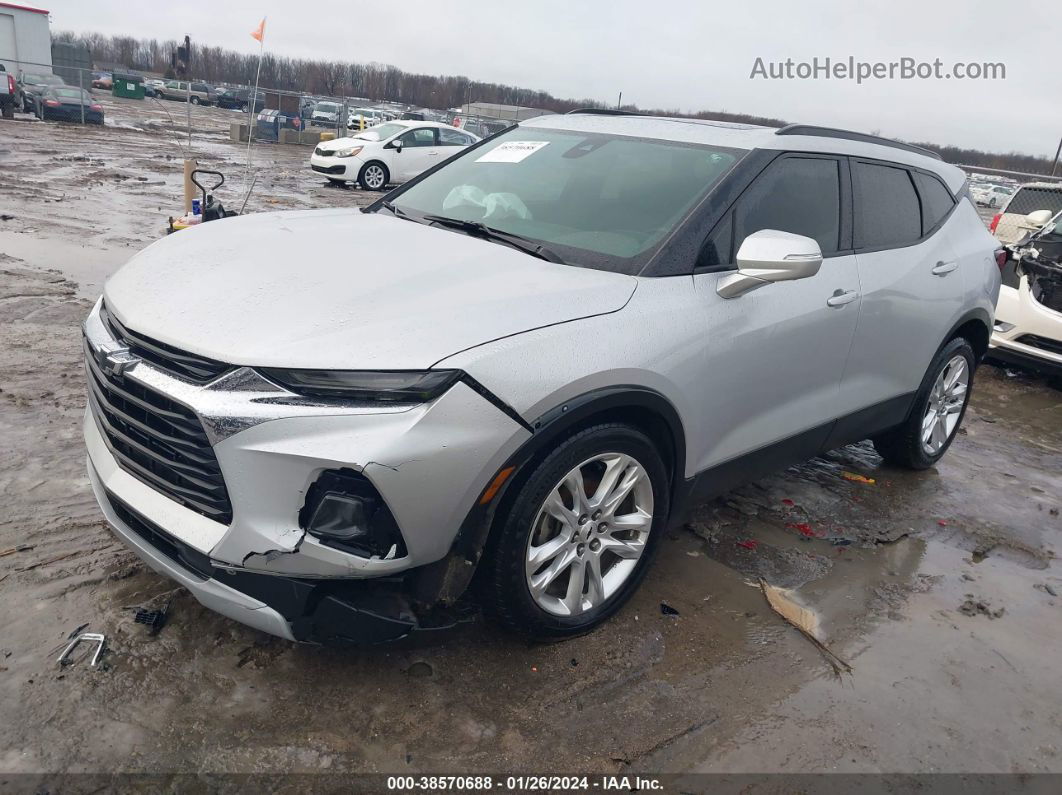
(579, 534)
(195, 100)
(373, 176)
(939, 407)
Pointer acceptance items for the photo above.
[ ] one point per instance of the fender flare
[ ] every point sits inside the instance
(445, 580)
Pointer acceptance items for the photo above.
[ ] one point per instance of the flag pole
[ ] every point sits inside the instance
(254, 95)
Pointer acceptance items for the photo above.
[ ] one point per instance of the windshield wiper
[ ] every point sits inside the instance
(480, 229)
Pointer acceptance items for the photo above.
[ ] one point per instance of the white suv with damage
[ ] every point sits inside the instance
(562, 338)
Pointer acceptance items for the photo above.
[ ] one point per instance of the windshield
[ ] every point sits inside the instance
(381, 131)
(599, 201)
(72, 93)
(327, 107)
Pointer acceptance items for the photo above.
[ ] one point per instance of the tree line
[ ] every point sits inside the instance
(384, 82)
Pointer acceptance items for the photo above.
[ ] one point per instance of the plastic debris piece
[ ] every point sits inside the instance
(852, 476)
(748, 543)
(94, 637)
(153, 619)
(668, 610)
(840, 541)
(787, 501)
(942, 523)
(803, 528)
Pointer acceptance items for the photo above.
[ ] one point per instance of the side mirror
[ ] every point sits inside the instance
(1037, 219)
(396, 144)
(771, 256)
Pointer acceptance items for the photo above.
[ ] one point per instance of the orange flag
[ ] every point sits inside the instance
(259, 32)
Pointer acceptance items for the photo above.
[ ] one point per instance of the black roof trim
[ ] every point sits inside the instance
(604, 112)
(848, 135)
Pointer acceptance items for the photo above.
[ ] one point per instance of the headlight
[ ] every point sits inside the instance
(350, 151)
(385, 386)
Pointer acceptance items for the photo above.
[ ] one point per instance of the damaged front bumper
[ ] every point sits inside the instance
(428, 462)
(1028, 327)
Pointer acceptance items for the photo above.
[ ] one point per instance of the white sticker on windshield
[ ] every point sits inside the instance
(511, 151)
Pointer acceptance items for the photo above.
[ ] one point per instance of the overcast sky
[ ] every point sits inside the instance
(680, 54)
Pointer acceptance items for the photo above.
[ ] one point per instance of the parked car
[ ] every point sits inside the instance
(239, 99)
(395, 151)
(1028, 327)
(1009, 224)
(177, 90)
(509, 381)
(363, 118)
(326, 114)
(153, 87)
(8, 93)
(990, 195)
(65, 103)
(30, 86)
(104, 80)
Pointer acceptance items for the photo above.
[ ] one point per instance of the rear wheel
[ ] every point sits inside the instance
(939, 407)
(579, 534)
(9, 110)
(195, 100)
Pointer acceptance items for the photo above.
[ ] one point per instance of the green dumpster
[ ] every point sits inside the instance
(128, 86)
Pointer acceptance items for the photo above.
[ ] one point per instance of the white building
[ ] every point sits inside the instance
(25, 39)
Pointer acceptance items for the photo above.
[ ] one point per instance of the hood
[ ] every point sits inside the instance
(341, 289)
(338, 143)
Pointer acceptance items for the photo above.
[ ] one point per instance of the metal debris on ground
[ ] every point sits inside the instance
(668, 610)
(13, 550)
(92, 637)
(803, 620)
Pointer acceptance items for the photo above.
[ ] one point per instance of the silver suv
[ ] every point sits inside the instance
(564, 336)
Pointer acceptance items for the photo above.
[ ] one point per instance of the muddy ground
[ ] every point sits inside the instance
(941, 589)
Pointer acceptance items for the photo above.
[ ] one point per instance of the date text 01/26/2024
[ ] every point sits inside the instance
(521, 783)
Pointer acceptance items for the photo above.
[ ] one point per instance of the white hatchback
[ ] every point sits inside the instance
(396, 151)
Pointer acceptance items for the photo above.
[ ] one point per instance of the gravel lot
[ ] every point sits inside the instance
(894, 569)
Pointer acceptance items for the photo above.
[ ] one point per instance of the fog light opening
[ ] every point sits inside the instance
(344, 510)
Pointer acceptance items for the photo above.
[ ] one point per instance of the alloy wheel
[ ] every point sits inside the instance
(374, 177)
(589, 534)
(946, 401)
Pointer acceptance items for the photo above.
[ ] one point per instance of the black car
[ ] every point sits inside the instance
(239, 98)
(63, 103)
(31, 85)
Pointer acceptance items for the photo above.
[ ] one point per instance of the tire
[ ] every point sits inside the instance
(370, 176)
(904, 446)
(9, 110)
(339, 183)
(195, 100)
(992, 203)
(505, 578)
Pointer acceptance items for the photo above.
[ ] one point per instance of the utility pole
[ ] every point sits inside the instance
(619, 102)
(1054, 166)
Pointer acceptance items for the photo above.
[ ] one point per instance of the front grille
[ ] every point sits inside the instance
(1043, 343)
(174, 549)
(174, 361)
(329, 169)
(158, 441)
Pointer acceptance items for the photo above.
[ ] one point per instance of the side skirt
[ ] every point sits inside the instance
(721, 478)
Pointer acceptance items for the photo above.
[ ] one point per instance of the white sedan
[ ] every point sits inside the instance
(395, 151)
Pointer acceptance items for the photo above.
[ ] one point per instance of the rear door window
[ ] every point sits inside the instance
(887, 211)
(937, 200)
(801, 195)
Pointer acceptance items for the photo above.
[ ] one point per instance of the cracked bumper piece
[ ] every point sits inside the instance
(428, 463)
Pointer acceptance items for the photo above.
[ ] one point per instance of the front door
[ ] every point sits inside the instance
(419, 153)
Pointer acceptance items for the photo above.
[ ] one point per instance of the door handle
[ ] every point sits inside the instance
(944, 268)
(433, 153)
(841, 297)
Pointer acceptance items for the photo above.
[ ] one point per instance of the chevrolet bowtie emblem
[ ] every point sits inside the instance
(115, 358)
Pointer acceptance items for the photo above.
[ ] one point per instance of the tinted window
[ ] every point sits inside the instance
(937, 200)
(1029, 200)
(425, 136)
(796, 194)
(448, 136)
(887, 211)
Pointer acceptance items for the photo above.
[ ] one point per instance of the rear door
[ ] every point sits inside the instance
(774, 357)
(452, 141)
(911, 280)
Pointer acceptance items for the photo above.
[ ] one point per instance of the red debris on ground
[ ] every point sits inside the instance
(942, 523)
(787, 501)
(748, 544)
(803, 528)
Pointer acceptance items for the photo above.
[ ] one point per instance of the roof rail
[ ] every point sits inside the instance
(848, 135)
(604, 112)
